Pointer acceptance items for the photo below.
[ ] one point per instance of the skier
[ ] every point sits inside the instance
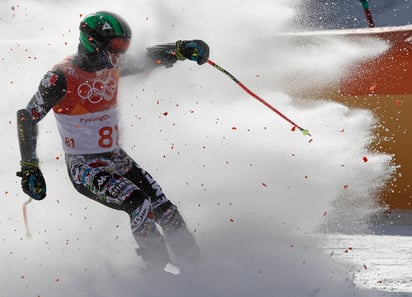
(82, 91)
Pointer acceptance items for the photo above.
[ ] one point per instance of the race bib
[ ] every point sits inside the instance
(89, 133)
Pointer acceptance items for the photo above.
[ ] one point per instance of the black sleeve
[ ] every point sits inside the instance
(51, 90)
(155, 56)
(163, 54)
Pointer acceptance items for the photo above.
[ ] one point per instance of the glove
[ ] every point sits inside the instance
(32, 182)
(195, 50)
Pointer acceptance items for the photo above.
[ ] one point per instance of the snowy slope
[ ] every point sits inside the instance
(256, 194)
(380, 262)
(340, 14)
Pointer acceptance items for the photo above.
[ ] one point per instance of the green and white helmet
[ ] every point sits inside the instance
(104, 30)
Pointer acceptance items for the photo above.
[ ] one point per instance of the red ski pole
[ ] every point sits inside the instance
(247, 90)
(368, 13)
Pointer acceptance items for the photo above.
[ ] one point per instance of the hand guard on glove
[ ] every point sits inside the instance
(195, 50)
(32, 180)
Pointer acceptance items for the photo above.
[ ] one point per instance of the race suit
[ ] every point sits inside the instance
(85, 106)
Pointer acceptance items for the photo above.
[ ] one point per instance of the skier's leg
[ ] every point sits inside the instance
(98, 180)
(177, 235)
(152, 247)
(141, 178)
(180, 240)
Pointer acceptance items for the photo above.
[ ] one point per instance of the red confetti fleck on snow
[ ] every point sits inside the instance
(57, 158)
(57, 280)
(345, 187)
(293, 129)
(348, 249)
(325, 213)
(165, 113)
(365, 159)
(342, 130)
(80, 15)
(231, 220)
(264, 184)
(310, 140)
(306, 176)
(234, 128)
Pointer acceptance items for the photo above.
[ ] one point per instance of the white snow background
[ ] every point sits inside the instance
(255, 193)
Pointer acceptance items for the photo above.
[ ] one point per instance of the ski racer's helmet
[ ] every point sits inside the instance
(104, 31)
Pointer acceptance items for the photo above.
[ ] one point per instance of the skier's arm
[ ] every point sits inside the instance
(166, 55)
(51, 89)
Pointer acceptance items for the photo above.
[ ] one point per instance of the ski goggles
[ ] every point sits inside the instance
(119, 45)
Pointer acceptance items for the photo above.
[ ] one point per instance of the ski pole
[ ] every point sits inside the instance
(26, 222)
(247, 90)
(368, 13)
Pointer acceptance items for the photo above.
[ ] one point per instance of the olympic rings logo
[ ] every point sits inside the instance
(97, 90)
